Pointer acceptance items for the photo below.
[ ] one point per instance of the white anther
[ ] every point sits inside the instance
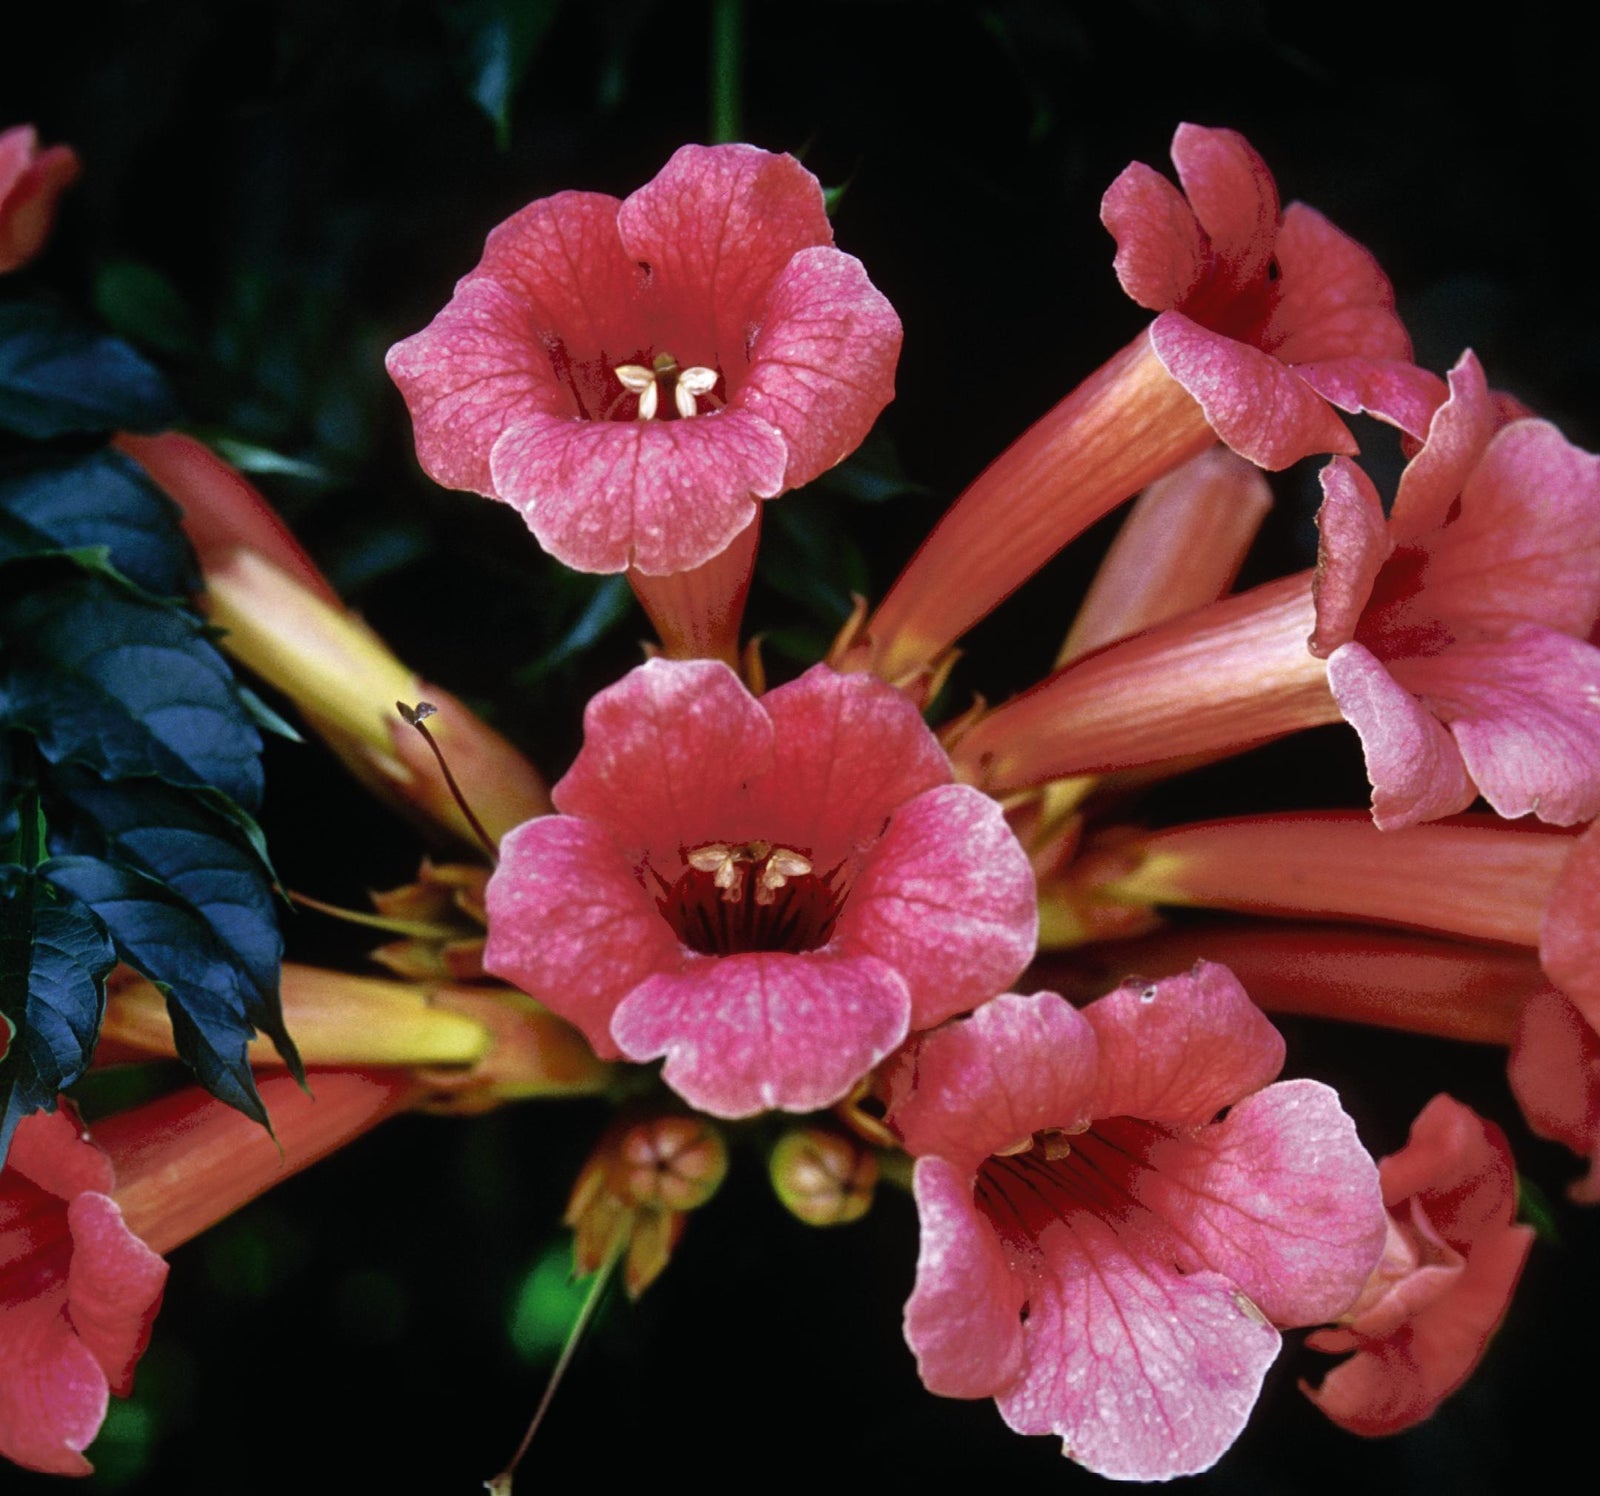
(640, 381)
(1011, 1150)
(693, 382)
(781, 866)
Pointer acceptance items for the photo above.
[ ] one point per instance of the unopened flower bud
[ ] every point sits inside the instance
(671, 1163)
(823, 1177)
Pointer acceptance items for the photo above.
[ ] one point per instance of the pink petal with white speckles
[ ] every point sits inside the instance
(667, 752)
(1280, 1197)
(1179, 1050)
(715, 226)
(848, 751)
(753, 1033)
(1233, 196)
(570, 924)
(980, 1085)
(948, 900)
(1334, 302)
(1145, 1373)
(963, 1319)
(1457, 436)
(822, 362)
(663, 496)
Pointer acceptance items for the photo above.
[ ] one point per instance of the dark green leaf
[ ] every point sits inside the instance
(170, 836)
(54, 957)
(127, 686)
(160, 933)
(872, 474)
(59, 501)
(60, 375)
(141, 304)
(501, 37)
(610, 602)
(808, 559)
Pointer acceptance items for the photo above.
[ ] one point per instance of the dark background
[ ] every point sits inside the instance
(276, 191)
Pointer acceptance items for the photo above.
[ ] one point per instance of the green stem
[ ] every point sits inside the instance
(727, 68)
(500, 1485)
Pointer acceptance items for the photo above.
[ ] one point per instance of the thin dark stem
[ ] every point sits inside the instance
(415, 717)
(500, 1485)
(727, 71)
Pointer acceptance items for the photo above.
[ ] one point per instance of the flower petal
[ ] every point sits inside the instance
(1333, 302)
(1413, 764)
(1280, 1197)
(1159, 253)
(1233, 196)
(562, 259)
(948, 899)
(1353, 544)
(1261, 409)
(822, 362)
(1145, 1372)
(1457, 435)
(963, 1319)
(1525, 713)
(1555, 1075)
(715, 227)
(1179, 1050)
(666, 753)
(981, 1084)
(1399, 393)
(662, 496)
(1526, 545)
(114, 1287)
(848, 750)
(570, 924)
(745, 1034)
(53, 1395)
(472, 371)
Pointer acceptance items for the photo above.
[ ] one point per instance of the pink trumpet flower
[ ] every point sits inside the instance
(633, 376)
(84, 1221)
(1265, 324)
(768, 891)
(1452, 1260)
(1451, 635)
(1456, 631)
(1100, 1254)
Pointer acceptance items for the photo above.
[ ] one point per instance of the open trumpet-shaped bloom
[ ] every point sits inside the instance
(768, 891)
(1264, 320)
(78, 1295)
(1456, 630)
(1452, 1260)
(632, 376)
(1102, 1255)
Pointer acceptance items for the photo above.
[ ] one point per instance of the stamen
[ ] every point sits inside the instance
(688, 385)
(782, 865)
(693, 382)
(640, 381)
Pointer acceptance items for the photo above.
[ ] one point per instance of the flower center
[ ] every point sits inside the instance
(738, 897)
(686, 387)
(1056, 1174)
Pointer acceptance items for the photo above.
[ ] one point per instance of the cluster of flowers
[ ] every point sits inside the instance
(805, 900)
